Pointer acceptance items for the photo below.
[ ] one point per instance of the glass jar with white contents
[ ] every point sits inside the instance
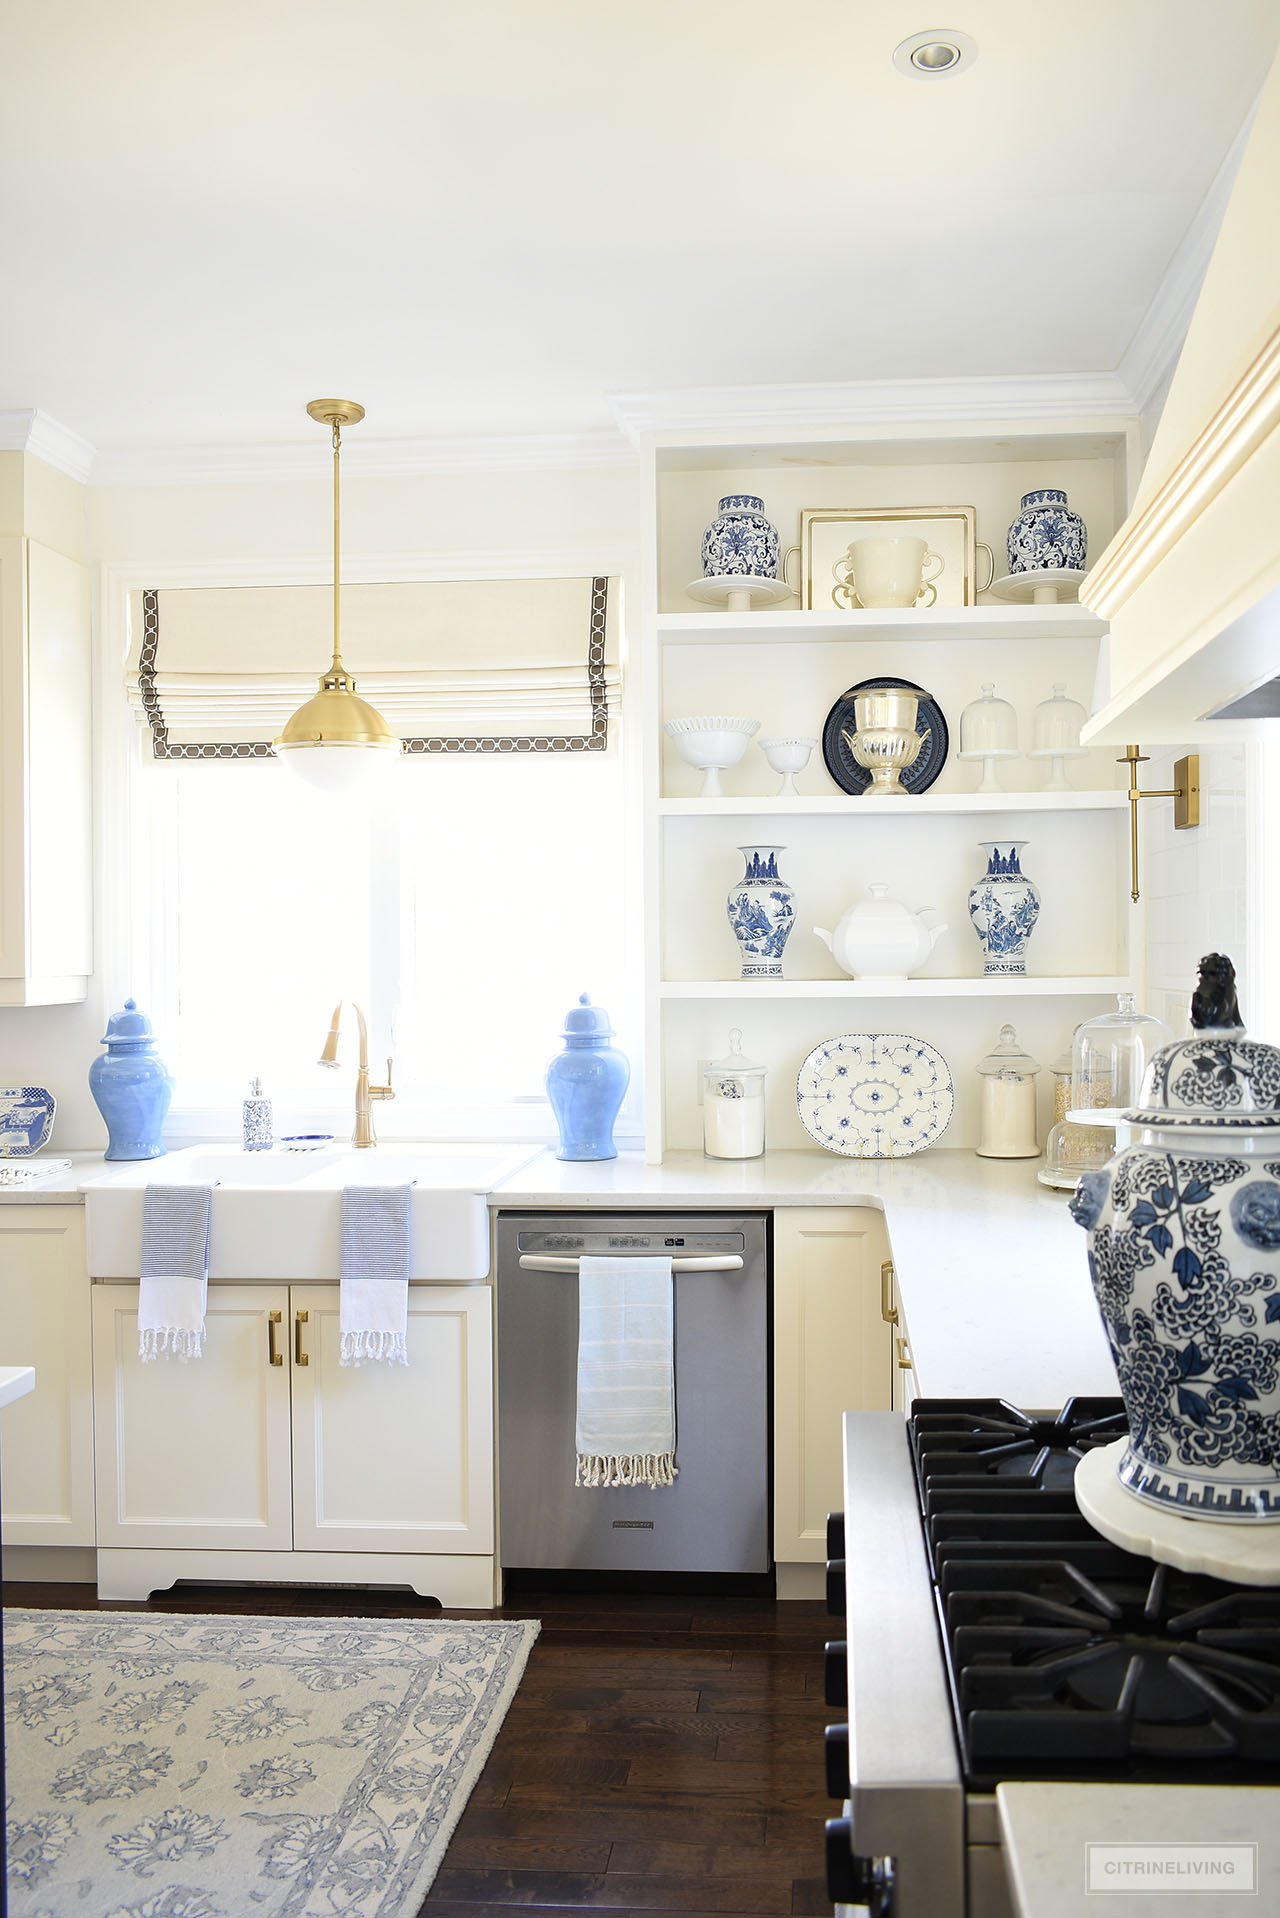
(1008, 1114)
(733, 1105)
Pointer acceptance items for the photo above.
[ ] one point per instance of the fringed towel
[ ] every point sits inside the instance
(374, 1291)
(175, 1271)
(626, 1430)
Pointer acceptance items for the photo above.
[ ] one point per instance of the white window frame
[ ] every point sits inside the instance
(132, 866)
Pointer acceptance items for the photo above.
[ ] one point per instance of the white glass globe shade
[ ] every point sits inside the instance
(337, 769)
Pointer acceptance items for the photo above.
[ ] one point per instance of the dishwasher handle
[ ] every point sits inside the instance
(537, 1262)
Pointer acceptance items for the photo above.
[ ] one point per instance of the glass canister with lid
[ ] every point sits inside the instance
(1007, 1120)
(1109, 1056)
(733, 1104)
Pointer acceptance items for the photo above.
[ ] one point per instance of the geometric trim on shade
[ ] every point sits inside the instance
(593, 741)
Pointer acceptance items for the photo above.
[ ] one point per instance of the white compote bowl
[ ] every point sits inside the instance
(711, 743)
(788, 757)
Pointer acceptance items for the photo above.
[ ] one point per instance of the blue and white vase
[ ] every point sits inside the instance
(1046, 533)
(130, 1087)
(586, 1084)
(1004, 907)
(740, 540)
(1184, 1254)
(761, 910)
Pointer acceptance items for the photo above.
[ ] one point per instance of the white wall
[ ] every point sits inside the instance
(1196, 881)
(590, 517)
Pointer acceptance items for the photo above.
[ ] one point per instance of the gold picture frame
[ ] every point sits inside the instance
(826, 533)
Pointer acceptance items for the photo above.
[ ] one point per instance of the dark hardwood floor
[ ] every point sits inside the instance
(663, 1754)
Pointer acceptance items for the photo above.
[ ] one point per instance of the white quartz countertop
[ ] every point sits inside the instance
(991, 1268)
(1174, 1839)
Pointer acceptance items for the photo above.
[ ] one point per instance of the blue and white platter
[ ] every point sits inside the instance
(26, 1120)
(875, 1095)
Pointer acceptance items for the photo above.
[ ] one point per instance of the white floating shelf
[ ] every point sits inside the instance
(849, 806)
(1087, 986)
(970, 623)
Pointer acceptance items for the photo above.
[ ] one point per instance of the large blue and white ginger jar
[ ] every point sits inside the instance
(761, 910)
(1004, 907)
(1183, 1228)
(740, 540)
(586, 1084)
(1045, 534)
(131, 1087)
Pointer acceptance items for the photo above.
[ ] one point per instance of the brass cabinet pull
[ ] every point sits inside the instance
(888, 1310)
(299, 1356)
(273, 1357)
(905, 1361)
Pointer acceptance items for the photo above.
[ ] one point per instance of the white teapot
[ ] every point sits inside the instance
(880, 938)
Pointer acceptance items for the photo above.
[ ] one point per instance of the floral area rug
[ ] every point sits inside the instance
(195, 1767)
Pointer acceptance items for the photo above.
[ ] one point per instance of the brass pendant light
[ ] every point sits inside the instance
(336, 736)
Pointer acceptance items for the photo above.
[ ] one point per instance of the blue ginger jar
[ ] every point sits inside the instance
(1046, 534)
(130, 1087)
(1183, 1229)
(740, 540)
(586, 1084)
(1004, 907)
(761, 909)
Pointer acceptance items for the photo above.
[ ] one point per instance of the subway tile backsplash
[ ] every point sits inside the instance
(1193, 882)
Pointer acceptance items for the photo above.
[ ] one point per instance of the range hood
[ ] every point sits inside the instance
(1191, 582)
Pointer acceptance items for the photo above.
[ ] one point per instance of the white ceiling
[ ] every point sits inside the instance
(486, 217)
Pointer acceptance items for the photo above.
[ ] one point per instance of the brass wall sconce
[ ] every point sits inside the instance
(1185, 796)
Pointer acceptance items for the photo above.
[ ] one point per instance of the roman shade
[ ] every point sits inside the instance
(453, 665)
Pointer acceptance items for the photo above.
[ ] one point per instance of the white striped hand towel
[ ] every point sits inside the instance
(626, 1428)
(373, 1302)
(175, 1271)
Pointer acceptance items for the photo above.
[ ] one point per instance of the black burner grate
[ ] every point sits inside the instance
(1066, 1656)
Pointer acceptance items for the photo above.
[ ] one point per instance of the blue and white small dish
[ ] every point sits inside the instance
(26, 1120)
(875, 1095)
(842, 720)
(305, 1141)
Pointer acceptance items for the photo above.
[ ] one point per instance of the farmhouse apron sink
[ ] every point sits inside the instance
(276, 1215)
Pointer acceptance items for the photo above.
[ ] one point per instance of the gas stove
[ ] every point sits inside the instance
(993, 1635)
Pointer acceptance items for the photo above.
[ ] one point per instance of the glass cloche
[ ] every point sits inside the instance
(1109, 1056)
(988, 732)
(1055, 735)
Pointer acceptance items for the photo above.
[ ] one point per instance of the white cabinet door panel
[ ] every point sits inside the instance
(396, 1458)
(44, 1321)
(194, 1455)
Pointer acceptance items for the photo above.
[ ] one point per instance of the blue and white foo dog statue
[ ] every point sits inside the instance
(1184, 1254)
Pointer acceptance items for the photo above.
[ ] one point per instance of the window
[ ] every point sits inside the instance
(464, 901)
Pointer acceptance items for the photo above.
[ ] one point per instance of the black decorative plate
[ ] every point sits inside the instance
(844, 768)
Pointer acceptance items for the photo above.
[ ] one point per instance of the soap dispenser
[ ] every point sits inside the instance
(258, 1135)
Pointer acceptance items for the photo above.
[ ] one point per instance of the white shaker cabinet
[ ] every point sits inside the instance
(45, 777)
(832, 1354)
(44, 1322)
(265, 1459)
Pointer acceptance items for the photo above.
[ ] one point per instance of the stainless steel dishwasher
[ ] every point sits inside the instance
(715, 1518)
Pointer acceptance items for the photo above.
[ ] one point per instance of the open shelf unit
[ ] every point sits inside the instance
(787, 668)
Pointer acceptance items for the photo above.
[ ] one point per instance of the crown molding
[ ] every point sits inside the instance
(1147, 364)
(367, 569)
(28, 430)
(854, 403)
(375, 459)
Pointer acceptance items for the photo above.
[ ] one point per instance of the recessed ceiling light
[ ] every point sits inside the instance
(940, 50)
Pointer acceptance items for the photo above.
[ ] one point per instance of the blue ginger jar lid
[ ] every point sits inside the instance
(585, 1023)
(129, 1027)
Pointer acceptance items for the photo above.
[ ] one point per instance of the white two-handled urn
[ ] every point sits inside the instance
(1184, 1254)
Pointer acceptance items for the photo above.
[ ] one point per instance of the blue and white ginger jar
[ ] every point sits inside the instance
(740, 540)
(1046, 533)
(586, 1084)
(131, 1087)
(1004, 907)
(761, 910)
(1184, 1254)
